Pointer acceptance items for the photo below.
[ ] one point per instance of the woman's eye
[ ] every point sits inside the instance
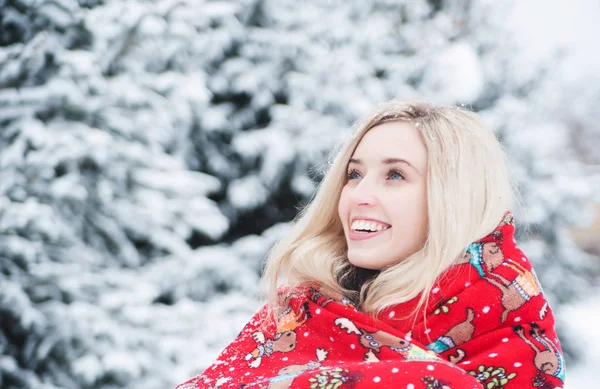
(396, 173)
(393, 174)
(351, 174)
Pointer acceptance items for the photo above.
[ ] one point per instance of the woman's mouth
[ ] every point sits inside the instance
(363, 235)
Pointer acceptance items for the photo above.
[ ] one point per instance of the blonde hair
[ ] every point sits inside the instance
(468, 190)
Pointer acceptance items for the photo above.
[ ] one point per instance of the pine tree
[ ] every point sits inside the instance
(152, 151)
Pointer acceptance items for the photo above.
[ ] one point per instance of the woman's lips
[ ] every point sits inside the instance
(365, 235)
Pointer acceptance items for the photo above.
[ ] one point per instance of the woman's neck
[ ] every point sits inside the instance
(359, 276)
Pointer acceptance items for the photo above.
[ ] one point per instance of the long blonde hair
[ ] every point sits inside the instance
(468, 189)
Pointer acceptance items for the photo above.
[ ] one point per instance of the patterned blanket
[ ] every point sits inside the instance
(487, 325)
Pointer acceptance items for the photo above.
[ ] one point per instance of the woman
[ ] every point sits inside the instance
(402, 272)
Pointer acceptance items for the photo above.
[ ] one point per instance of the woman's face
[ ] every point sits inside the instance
(386, 192)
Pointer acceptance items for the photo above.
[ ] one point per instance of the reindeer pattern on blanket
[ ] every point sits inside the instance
(487, 325)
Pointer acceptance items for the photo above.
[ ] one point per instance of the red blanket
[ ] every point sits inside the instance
(488, 326)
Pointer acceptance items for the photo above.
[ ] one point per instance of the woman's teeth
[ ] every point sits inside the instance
(367, 226)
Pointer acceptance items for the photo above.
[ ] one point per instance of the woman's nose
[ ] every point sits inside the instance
(364, 193)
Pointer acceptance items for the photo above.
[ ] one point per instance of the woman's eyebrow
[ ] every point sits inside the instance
(386, 161)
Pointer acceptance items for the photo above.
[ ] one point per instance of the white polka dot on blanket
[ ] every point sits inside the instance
(395, 370)
(518, 364)
(492, 355)
(410, 386)
(504, 340)
(391, 314)
(486, 309)
(430, 367)
(376, 379)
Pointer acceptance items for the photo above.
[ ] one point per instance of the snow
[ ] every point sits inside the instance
(56, 14)
(122, 364)
(455, 74)
(68, 187)
(87, 368)
(184, 183)
(247, 193)
(204, 215)
(303, 185)
(571, 29)
(137, 136)
(583, 318)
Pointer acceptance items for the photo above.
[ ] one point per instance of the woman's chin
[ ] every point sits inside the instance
(365, 263)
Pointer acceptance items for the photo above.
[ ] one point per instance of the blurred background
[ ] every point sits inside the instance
(152, 151)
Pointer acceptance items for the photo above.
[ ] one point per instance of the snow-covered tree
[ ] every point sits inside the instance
(151, 152)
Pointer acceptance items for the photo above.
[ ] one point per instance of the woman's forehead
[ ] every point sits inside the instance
(391, 142)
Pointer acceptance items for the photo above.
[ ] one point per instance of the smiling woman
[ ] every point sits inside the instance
(452, 189)
(403, 271)
(386, 195)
